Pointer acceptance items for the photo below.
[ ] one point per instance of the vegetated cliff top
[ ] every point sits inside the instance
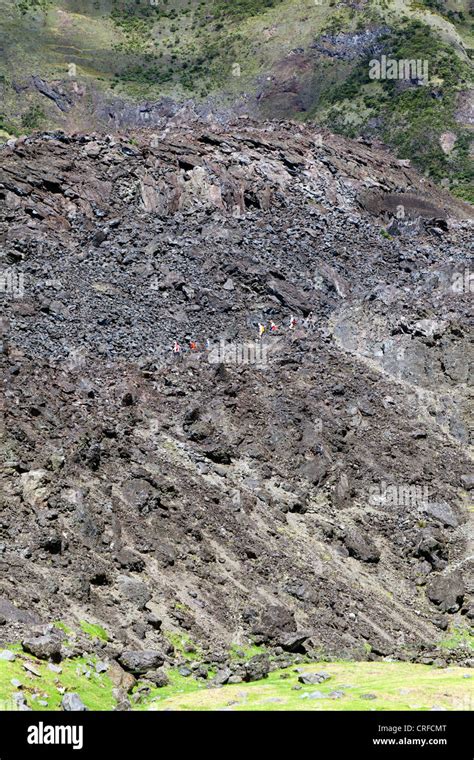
(85, 65)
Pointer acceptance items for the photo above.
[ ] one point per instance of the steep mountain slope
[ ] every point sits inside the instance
(80, 63)
(309, 492)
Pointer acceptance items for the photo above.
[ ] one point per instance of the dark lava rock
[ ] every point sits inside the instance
(273, 622)
(129, 560)
(361, 546)
(154, 621)
(256, 668)
(222, 676)
(135, 591)
(47, 647)
(294, 642)
(10, 613)
(157, 677)
(141, 495)
(219, 455)
(315, 470)
(299, 590)
(446, 591)
(207, 476)
(443, 513)
(139, 661)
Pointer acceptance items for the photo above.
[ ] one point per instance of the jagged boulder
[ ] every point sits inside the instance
(46, 647)
(72, 703)
(295, 642)
(313, 678)
(157, 677)
(134, 590)
(256, 668)
(361, 546)
(274, 621)
(446, 591)
(140, 661)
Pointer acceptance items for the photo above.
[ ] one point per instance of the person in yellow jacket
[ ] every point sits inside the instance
(261, 329)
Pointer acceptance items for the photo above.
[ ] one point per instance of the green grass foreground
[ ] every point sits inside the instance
(391, 686)
(45, 685)
(396, 686)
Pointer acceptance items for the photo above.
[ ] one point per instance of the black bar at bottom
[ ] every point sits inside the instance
(118, 734)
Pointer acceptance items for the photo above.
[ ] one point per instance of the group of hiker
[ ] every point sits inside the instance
(271, 328)
(193, 346)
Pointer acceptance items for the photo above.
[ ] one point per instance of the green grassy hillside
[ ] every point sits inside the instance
(306, 59)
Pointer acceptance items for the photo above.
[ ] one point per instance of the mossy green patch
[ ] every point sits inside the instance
(63, 627)
(184, 645)
(458, 637)
(94, 631)
(237, 652)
